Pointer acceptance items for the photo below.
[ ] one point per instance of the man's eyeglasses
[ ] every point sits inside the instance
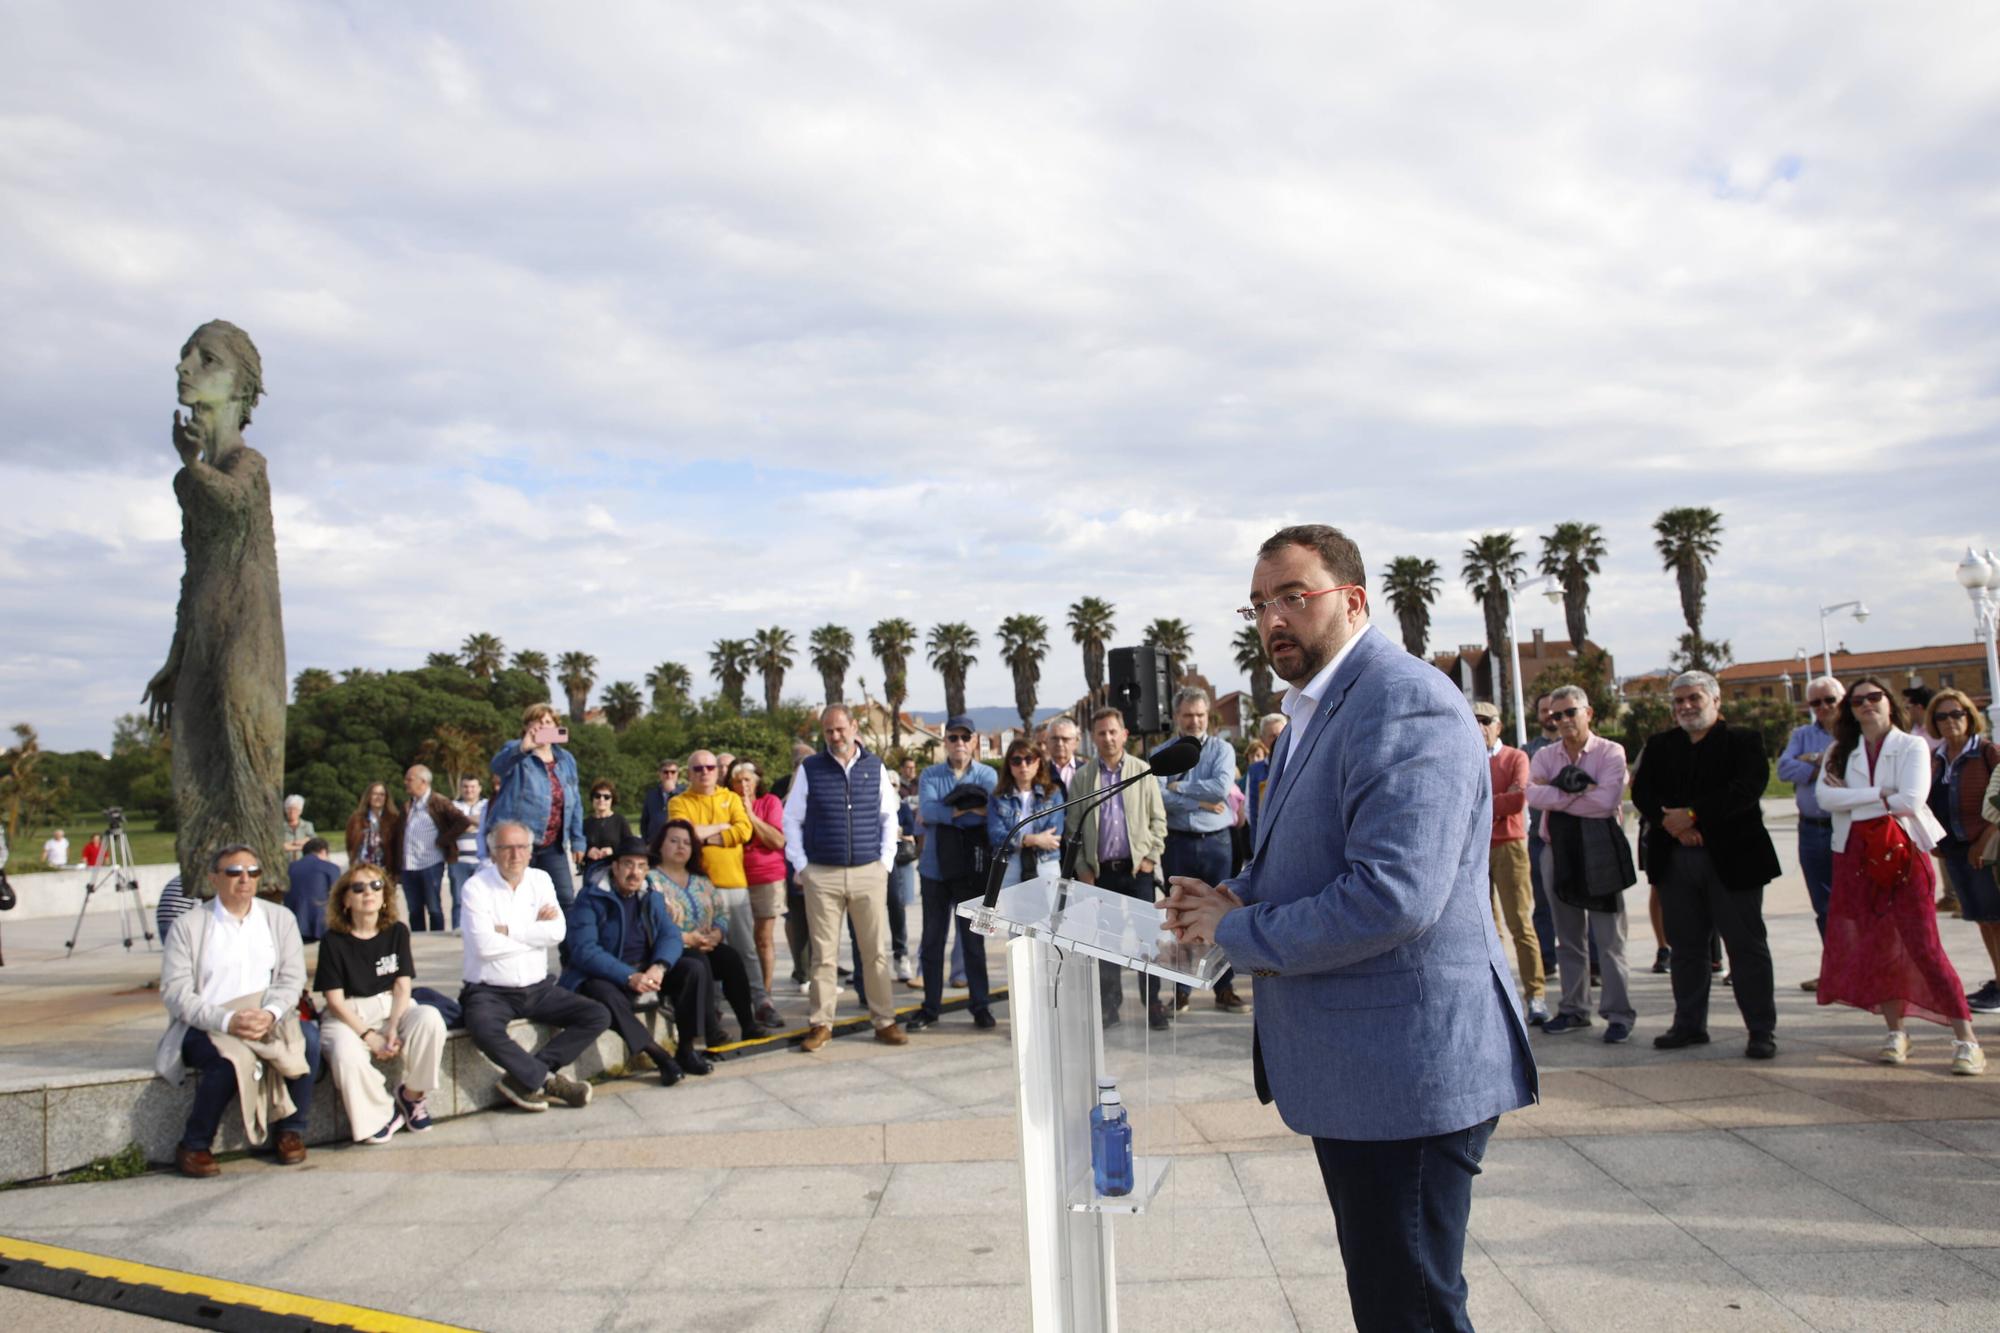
(958, 735)
(703, 768)
(1863, 700)
(1560, 714)
(1822, 703)
(516, 847)
(238, 872)
(1290, 601)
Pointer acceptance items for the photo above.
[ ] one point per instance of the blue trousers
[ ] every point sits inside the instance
(1816, 864)
(941, 897)
(461, 870)
(1400, 1209)
(553, 861)
(423, 890)
(1545, 919)
(215, 1088)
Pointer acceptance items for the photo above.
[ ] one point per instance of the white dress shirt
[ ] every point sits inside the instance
(521, 956)
(55, 852)
(468, 842)
(795, 813)
(420, 835)
(238, 958)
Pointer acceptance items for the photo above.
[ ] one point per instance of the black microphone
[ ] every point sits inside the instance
(1171, 760)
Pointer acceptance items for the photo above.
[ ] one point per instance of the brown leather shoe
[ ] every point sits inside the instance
(1229, 1002)
(196, 1162)
(818, 1037)
(892, 1035)
(291, 1149)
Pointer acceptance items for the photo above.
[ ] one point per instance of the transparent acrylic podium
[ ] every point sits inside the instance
(1059, 930)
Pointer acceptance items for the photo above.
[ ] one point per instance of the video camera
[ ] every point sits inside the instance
(114, 819)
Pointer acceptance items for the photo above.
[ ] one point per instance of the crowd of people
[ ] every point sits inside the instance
(684, 912)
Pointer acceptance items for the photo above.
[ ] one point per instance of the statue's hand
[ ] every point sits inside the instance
(190, 438)
(159, 697)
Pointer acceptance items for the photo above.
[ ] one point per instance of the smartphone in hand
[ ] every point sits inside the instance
(549, 734)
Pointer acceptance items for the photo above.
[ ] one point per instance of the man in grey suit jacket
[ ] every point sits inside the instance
(1386, 1024)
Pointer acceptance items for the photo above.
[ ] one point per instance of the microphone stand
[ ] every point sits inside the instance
(985, 921)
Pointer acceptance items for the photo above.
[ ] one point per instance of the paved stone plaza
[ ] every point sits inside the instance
(870, 1188)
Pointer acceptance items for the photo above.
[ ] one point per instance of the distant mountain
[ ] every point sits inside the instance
(988, 719)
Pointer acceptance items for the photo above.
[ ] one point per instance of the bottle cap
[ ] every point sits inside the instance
(1111, 1098)
(1104, 1082)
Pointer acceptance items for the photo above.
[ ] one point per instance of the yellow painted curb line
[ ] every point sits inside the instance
(219, 1290)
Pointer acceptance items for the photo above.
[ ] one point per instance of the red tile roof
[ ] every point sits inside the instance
(1949, 654)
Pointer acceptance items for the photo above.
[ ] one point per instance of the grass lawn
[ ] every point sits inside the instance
(149, 845)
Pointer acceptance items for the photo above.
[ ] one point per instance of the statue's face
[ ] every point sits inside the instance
(206, 374)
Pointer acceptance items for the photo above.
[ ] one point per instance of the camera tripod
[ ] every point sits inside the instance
(115, 869)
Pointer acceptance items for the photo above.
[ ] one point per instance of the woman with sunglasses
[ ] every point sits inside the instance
(1966, 766)
(368, 828)
(604, 831)
(698, 910)
(365, 974)
(1882, 952)
(1027, 788)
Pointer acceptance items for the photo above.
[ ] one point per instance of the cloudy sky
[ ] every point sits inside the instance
(633, 331)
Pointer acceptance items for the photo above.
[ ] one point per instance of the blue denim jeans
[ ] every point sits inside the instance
(1816, 864)
(553, 861)
(423, 890)
(215, 1088)
(902, 892)
(1545, 920)
(461, 870)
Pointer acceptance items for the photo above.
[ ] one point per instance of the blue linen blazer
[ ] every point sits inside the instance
(1384, 1006)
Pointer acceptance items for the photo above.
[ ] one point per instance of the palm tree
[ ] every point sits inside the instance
(892, 641)
(1170, 636)
(1091, 622)
(1251, 658)
(1492, 563)
(622, 704)
(1411, 584)
(576, 673)
(832, 653)
(670, 683)
(772, 652)
(482, 654)
(311, 681)
(435, 660)
(349, 675)
(1572, 553)
(1688, 539)
(534, 663)
(950, 647)
(729, 662)
(1024, 642)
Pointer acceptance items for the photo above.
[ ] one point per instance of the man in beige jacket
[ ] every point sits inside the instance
(1119, 843)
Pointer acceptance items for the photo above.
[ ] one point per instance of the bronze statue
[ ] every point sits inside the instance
(222, 691)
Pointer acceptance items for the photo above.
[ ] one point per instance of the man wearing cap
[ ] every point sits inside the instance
(625, 949)
(653, 811)
(953, 815)
(1507, 859)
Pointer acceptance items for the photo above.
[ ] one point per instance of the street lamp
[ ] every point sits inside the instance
(1785, 679)
(1554, 592)
(1979, 575)
(1860, 610)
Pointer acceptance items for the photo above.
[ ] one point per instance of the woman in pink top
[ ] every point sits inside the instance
(764, 868)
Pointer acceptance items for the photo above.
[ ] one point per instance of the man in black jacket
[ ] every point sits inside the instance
(1700, 787)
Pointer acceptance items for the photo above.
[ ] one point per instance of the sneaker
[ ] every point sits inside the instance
(388, 1131)
(903, 969)
(1183, 1000)
(1562, 1023)
(573, 1093)
(918, 1020)
(1538, 1013)
(528, 1099)
(1617, 1033)
(1985, 1000)
(1967, 1058)
(1663, 960)
(806, 987)
(1229, 1002)
(416, 1109)
(768, 1016)
(1895, 1049)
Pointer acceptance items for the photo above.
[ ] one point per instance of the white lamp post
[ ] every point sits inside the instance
(1785, 679)
(1554, 592)
(1979, 575)
(1860, 610)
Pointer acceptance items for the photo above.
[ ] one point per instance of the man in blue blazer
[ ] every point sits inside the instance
(1386, 1024)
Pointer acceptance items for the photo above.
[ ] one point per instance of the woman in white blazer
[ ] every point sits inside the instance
(1882, 951)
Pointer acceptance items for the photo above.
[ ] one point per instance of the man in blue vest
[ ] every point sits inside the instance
(840, 838)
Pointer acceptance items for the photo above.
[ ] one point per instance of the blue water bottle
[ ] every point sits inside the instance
(1110, 1142)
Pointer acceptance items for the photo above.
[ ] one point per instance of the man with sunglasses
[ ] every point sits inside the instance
(1800, 765)
(653, 812)
(950, 869)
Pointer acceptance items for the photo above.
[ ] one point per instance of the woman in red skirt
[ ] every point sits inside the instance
(1882, 951)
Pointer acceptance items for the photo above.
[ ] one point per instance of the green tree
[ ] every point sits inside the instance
(534, 663)
(1171, 636)
(576, 672)
(1251, 659)
(832, 649)
(771, 650)
(892, 641)
(310, 682)
(1646, 716)
(483, 655)
(1493, 562)
(442, 661)
(729, 660)
(1694, 653)
(622, 704)
(1092, 621)
(1411, 584)
(1591, 670)
(1772, 720)
(671, 684)
(950, 648)
(30, 795)
(1687, 539)
(1024, 642)
(1572, 552)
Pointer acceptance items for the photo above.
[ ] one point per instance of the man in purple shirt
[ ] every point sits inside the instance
(1603, 763)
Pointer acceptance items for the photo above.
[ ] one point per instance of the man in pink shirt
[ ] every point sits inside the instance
(1507, 860)
(1602, 763)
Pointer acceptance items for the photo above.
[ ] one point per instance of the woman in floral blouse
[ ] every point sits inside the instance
(697, 908)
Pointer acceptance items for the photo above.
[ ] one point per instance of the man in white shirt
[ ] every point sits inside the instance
(472, 805)
(421, 844)
(511, 921)
(55, 852)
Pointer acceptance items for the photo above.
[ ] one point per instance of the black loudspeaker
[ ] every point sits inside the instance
(1138, 687)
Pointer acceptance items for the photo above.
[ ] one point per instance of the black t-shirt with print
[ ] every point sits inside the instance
(360, 968)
